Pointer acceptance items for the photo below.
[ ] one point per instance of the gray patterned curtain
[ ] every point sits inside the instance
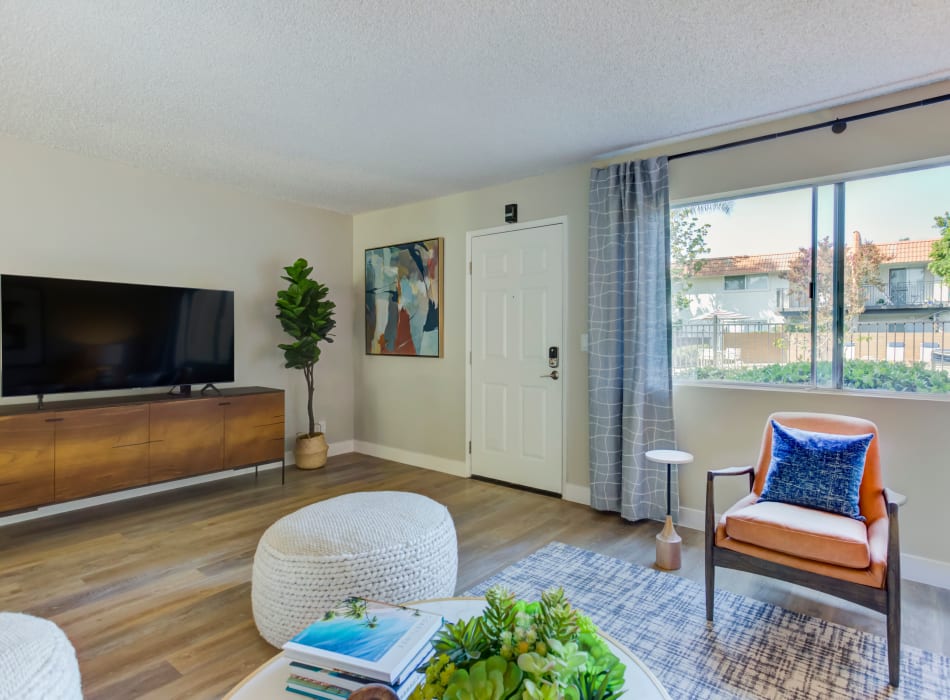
(630, 381)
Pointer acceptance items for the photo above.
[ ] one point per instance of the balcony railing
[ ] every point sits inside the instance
(888, 296)
(933, 293)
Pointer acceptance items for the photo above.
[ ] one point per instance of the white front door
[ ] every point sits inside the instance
(516, 409)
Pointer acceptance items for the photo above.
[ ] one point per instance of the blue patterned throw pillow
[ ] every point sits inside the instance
(818, 470)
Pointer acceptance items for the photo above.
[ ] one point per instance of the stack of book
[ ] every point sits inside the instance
(358, 644)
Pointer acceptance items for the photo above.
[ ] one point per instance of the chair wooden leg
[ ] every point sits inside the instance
(710, 541)
(893, 583)
(894, 632)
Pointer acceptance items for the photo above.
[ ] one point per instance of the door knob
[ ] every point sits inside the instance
(553, 375)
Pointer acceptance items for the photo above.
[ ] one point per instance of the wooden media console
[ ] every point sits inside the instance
(76, 449)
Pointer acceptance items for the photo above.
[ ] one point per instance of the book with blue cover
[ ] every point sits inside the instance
(304, 681)
(366, 638)
(345, 683)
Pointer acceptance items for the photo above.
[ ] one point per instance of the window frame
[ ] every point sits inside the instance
(733, 278)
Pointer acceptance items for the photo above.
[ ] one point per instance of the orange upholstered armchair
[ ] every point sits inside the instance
(855, 557)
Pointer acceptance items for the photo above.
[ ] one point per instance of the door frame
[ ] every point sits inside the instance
(469, 237)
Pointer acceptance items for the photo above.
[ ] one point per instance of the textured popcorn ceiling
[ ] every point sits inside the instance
(355, 105)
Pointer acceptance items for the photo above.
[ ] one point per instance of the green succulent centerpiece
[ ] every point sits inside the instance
(544, 650)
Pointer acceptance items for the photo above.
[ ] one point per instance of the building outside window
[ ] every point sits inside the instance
(751, 305)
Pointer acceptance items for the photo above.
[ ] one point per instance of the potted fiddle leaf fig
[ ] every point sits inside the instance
(306, 315)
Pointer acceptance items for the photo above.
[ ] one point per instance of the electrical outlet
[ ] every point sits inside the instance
(321, 426)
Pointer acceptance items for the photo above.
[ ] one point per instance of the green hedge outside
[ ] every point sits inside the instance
(858, 374)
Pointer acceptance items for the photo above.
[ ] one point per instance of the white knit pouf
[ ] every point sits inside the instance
(385, 545)
(37, 662)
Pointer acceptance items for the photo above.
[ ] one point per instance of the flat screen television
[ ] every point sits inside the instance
(63, 335)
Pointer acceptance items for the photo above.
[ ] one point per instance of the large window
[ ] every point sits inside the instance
(839, 285)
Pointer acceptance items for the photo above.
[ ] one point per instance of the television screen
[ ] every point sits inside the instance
(62, 335)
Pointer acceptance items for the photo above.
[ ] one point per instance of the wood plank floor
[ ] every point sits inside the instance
(155, 592)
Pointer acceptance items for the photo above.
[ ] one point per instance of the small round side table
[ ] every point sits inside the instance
(668, 542)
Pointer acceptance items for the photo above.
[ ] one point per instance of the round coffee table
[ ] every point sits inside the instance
(270, 679)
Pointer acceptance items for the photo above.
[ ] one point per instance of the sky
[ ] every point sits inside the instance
(883, 209)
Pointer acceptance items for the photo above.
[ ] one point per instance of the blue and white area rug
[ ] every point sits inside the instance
(753, 650)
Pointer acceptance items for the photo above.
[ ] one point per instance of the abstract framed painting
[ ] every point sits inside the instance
(404, 299)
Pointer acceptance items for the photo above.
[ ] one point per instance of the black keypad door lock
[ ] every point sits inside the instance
(552, 356)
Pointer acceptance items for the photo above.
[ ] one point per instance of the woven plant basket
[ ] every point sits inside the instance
(310, 452)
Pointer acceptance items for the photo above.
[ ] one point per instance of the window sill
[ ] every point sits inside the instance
(816, 391)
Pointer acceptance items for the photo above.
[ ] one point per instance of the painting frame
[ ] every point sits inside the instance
(403, 291)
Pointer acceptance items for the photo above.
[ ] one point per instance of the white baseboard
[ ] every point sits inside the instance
(929, 571)
(56, 508)
(576, 494)
(693, 518)
(415, 459)
(341, 448)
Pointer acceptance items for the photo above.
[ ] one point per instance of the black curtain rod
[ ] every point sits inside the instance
(837, 125)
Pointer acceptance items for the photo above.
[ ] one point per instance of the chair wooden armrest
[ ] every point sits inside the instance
(729, 471)
(894, 498)
(711, 499)
(726, 471)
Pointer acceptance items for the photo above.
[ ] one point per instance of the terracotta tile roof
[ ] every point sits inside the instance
(897, 252)
(906, 251)
(745, 264)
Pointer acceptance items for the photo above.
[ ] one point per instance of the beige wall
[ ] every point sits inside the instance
(65, 215)
(721, 425)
